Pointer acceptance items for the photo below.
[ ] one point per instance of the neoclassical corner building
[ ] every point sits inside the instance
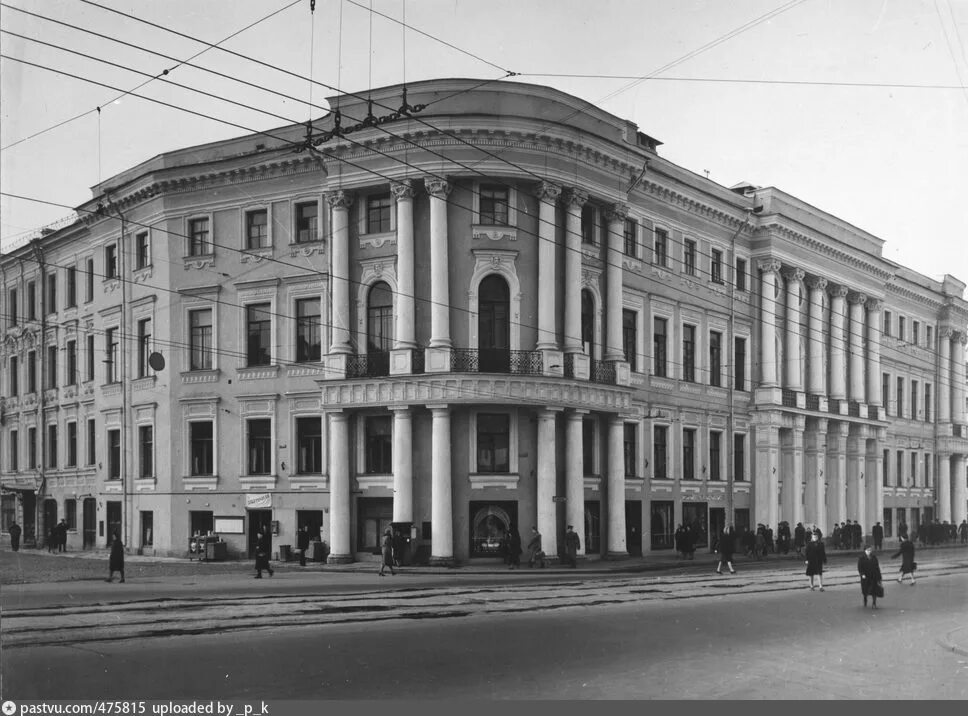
(455, 307)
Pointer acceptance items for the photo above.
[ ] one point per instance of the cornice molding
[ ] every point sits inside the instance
(876, 272)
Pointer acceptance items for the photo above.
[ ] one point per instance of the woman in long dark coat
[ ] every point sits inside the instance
(816, 559)
(727, 545)
(870, 575)
(116, 560)
(514, 547)
(387, 552)
(908, 565)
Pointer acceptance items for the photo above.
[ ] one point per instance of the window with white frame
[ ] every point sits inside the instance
(111, 355)
(142, 250)
(259, 445)
(307, 222)
(308, 324)
(715, 455)
(739, 363)
(70, 370)
(629, 336)
(378, 444)
(716, 266)
(661, 248)
(114, 454)
(201, 447)
(740, 274)
(659, 347)
(258, 321)
(146, 451)
(111, 261)
(660, 447)
(688, 453)
(144, 346)
(689, 257)
(72, 444)
(631, 244)
(199, 242)
(493, 442)
(309, 445)
(688, 353)
(715, 358)
(630, 447)
(200, 339)
(257, 229)
(379, 211)
(494, 205)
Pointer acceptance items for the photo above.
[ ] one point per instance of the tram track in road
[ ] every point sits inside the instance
(152, 618)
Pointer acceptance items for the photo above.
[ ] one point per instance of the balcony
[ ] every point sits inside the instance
(495, 360)
(833, 406)
(368, 365)
(813, 402)
(853, 409)
(789, 398)
(603, 372)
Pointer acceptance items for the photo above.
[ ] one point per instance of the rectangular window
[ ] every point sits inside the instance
(309, 442)
(689, 353)
(629, 339)
(379, 445)
(914, 467)
(688, 454)
(887, 323)
(714, 456)
(715, 358)
(928, 482)
(308, 319)
(32, 372)
(740, 274)
(12, 307)
(198, 243)
(927, 403)
(14, 451)
(716, 266)
(885, 389)
(629, 443)
(70, 377)
(90, 356)
(588, 221)
(258, 320)
(142, 250)
(900, 398)
(52, 446)
(51, 306)
(72, 444)
(146, 450)
(200, 339)
(886, 459)
(900, 467)
(588, 446)
(111, 261)
(739, 363)
(929, 337)
(660, 466)
(493, 443)
(661, 247)
(114, 454)
(111, 355)
(739, 457)
(32, 448)
(91, 441)
(257, 229)
(914, 400)
(260, 446)
(631, 238)
(70, 513)
(915, 332)
(689, 257)
(307, 222)
(378, 207)
(144, 346)
(14, 376)
(901, 334)
(494, 205)
(31, 301)
(89, 291)
(51, 367)
(202, 444)
(659, 347)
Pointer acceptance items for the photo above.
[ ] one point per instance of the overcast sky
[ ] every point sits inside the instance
(859, 108)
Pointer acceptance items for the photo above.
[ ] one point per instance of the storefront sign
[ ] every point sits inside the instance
(258, 502)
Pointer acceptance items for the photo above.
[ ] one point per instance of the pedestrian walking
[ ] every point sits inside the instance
(680, 533)
(799, 538)
(116, 559)
(514, 547)
(387, 552)
(572, 545)
(535, 551)
(61, 533)
(302, 544)
(727, 544)
(399, 544)
(908, 565)
(902, 529)
(688, 543)
(963, 531)
(262, 554)
(878, 533)
(816, 559)
(15, 533)
(870, 576)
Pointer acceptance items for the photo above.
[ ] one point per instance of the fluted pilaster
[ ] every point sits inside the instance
(874, 309)
(404, 308)
(575, 199)
(793, 363)
(547, 283)
(340, 202)
(768, 368)
(613, 274)
(856, 342)
(439, 189)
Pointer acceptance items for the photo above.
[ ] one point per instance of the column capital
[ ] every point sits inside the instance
(946, 333)
(856, 299)
(403, 190)
(575, 198)
(817, 283)
(438, 408)
(577, 413)
(617, 213)
(340, 199)
(438, 187)
(547, 412)
(838, 291)
(961, 338)
(769, 265)
(548, 192)
(793, 274)
(399, 409)
(874, 305)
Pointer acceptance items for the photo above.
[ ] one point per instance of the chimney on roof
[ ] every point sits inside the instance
(744, 188)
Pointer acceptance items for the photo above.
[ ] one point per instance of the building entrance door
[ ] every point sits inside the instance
(50, 520)
(114, 522)
(695, 519)
(260, 519)
(89, 523)
(717, 522)
(633, 527)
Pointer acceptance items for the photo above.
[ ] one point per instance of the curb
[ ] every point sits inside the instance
(948, 643)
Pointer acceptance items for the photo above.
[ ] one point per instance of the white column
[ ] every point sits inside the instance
(614, 351)
(874, 308)
(340, 202)
(442, 509)
(575, 475)
(958, 379)
(768, 370)
(616, 488)
(816, 382)
(439, 265)
(838, 367)
(575, 200)
(944, 487)
(815, 465)
(339, 489)
(404, 309)
(944, 375)
(547, 481)
(837, 474)
(856, 465)
(793, 488)
(765, 477)
(792, 361)
(959, 491)
(856, 342)
(547, 284)
(874, 483)
(402, 464)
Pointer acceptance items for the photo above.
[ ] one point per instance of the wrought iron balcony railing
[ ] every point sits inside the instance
(602, 371)
(368, 365)
(495, 360)
(853, 409)
(813, 402)
(789, 398)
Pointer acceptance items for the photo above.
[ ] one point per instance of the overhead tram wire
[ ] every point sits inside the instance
(126, 92)
(803, 83)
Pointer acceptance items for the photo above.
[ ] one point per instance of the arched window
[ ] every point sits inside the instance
(588, 323)
(379, 319)
(494, 325)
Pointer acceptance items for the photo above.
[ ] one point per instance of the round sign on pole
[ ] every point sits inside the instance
(156, 361)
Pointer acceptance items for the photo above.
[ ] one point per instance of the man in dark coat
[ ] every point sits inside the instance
(799, 538)
(572, 545)
(514, 547)
(878, 533)
(908, 565)
(116, 560)
(302, 544)
(727, 544)
(902, 530)
(262, 554)
(816, 559)
(858, 534)
(15, 533)
(870, 575)
(835, 536)
(61, 532)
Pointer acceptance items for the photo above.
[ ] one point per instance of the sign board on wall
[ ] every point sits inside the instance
(258, 502)
(230, 525)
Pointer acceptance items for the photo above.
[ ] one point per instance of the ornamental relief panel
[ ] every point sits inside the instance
(200, 264)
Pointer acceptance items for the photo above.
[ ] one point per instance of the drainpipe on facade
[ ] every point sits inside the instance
(42, 373)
